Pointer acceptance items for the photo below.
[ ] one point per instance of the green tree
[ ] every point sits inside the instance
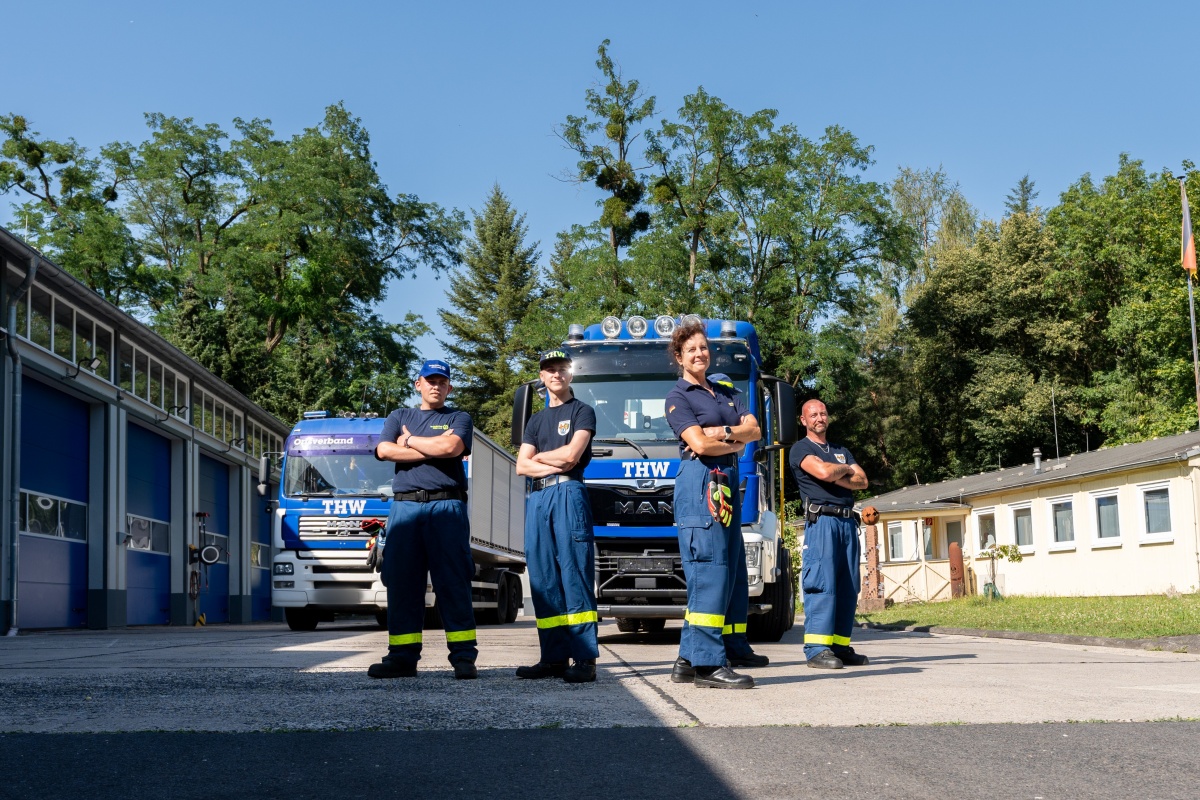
(1020, 200)
(491, 295)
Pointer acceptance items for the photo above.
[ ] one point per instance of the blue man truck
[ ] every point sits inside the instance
(624, 369)
(334, 496)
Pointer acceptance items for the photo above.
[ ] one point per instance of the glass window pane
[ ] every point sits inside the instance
(73, 519)
(219, 420)
(138, 531)
(43, 515)
(64, 330)
(896, 542)
(160, 537)
(141, 382)
(1108, 524)
(1023, 525)
(1158, 511)
(84, 330)
(125, 367)
(169, 401)
(39, 322)
(156, 384)
(207, 425)
(104, 353)
(987, 531)
(23, 513)
(22, 307)
(181, 396)
(954, 533)
(1064, 522)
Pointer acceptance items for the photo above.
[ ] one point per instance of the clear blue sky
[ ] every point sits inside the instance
(460, 95)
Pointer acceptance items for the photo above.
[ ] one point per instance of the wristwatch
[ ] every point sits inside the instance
(728, 434)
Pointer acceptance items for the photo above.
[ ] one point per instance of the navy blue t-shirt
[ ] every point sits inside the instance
(432, 474)
(815, 490)
(555, 426)
(689, 404)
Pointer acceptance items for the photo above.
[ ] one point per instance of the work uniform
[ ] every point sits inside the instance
(713, 555)
(558, 540)
(829, 573)
(428, 532)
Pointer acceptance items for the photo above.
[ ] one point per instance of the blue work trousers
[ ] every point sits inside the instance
(429, 539)
(562, 571)
(830, 580)
(714, 565)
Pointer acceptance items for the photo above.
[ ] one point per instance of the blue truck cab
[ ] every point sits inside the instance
(624, 370)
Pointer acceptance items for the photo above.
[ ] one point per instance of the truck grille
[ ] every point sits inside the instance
(625, 506)
(641, 568)
(311, 525)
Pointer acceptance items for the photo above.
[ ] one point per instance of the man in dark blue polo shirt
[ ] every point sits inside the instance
(558, 528)
(828, 476)
(428, 531)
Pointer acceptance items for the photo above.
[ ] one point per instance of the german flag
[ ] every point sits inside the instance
(1188, 243)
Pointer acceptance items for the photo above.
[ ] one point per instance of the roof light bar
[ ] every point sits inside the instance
(610, 327)
(664, 326)
(637, 326)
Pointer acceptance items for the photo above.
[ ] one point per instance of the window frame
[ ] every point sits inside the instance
(1065, 545)
(977, 517)
(1145, 537)
(1027, 506)
(898, 525)
(1105, 542)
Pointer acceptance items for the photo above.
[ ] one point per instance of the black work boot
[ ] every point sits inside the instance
(543, 669)
(392, 669)
(683, 671)
(825, 660)
(580, 672)
(850, 658)
(465, 671)
(722, 678)
(750, 659)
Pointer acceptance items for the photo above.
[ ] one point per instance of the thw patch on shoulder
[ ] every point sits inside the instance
(563, 427)
(841, 457)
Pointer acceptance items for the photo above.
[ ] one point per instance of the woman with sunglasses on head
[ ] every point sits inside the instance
(713, 425)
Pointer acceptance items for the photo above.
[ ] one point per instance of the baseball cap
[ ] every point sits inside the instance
(724, 380)
(434, 367)
(554, 355)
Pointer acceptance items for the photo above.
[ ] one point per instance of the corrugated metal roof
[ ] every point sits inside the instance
(956, 492)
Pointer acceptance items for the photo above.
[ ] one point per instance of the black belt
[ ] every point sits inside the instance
(551, 480)
(845, 512)
(423, 496)
(714, 461)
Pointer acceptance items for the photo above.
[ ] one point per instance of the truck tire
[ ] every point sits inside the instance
(301, 619)
(515, 600)
(381, 618)
(653, 625)
(497, 614)
(625, 625)
(771, 626)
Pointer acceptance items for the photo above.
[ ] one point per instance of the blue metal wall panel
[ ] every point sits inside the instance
(53, 583)
(214, 592)
(260, 578)
(214, 498)
(148, 588)
(54, 442)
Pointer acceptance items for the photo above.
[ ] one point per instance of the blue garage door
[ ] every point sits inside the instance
(52, 589)
(260, 557)
(214, 499)
(148, 509)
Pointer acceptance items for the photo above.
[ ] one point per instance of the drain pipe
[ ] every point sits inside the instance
(15, 439)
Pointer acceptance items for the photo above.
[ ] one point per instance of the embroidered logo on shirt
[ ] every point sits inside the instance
(563, 427)
(440, 427)
(841, 458)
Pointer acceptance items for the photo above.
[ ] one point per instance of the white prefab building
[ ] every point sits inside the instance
(1116, 521)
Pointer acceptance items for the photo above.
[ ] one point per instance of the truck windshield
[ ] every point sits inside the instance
(630, 407)
(337, 474)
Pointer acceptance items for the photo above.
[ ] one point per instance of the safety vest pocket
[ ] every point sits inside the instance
(696, 542)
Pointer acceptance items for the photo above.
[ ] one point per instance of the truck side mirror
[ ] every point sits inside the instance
(264, 475)
(785, 408)
(522, 410)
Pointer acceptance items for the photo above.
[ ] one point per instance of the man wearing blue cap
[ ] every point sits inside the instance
(428, 530)
(558, 528)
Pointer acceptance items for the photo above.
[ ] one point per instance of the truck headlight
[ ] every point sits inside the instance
(753, 555)
(285, 568)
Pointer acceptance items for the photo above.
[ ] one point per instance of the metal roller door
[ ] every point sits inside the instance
(148, 525)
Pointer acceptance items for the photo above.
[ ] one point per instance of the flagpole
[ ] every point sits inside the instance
(1195, 358)
(1187, 257)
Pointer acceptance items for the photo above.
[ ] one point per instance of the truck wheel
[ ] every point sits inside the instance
(771, 626)
(625, 625)
(653, 625)
(498, 614)
(381, 618)
(301, 619)
(514, 597)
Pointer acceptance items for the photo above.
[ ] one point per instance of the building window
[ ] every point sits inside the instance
(954, 534)
(52, 516)
(1062, 520)
(895, 541)
(927, 537)
(1156, 506)
(987, 530)
(1023, 526)
(148, 534)
(1108, 519)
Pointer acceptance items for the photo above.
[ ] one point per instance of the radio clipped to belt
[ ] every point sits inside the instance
(719, 496)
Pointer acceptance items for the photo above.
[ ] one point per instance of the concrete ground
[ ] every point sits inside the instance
(267, 678)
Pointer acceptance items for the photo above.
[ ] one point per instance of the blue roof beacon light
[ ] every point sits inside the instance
(316, 415)
(728, 329)
(664, 326)
(637, 327)
(575, 332)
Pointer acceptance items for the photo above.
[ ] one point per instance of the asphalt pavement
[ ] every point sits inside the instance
(259, 710)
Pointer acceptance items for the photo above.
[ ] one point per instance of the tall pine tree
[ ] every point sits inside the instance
(490, 295)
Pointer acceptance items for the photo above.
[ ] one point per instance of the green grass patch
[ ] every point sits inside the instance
(1142, 617)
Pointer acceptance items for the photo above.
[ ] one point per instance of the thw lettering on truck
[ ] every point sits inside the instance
(342, 507)
(645, 469)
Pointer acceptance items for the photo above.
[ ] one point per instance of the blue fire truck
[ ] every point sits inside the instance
(624, 370)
